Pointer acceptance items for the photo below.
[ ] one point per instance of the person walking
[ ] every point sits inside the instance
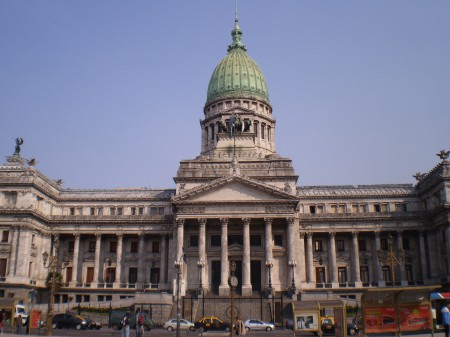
(446, 319)
(18, 324)
(139, 322)
(240, 326)
(126, 324)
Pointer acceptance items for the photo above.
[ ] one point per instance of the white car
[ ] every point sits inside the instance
(171, 325)
(255, 324)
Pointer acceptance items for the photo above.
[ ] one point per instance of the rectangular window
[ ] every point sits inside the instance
(141, 210)
(155, 247)
(255, 240)
(80, 211)
(263, 131)
(161, 210)
(134, 246)
(70, 246)
(132, 275)
(5, 236)
(133, 210)
(72, 210)
(342, 274)
(86, 298)
(91, 246)
(113, 246)
(312, 209)
(112, 211)
(320, 275)
(362, 244)
(30, 269)
(318, 245)
(89, 274)
(340, 245)
(153, 211)
(92, 211)
(364, 271)
(387, 274)
(400, 207)
(68, 274)
(235, 240)
(3, 263)
(405, 243)
(193, 241)
(119, 211)
(278, 240)
(384, 244)
(255, 128)
(409, 273)
(110, 275)
(216, 240)
(377, 208)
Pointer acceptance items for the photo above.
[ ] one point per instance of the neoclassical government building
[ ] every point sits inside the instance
(238, 200)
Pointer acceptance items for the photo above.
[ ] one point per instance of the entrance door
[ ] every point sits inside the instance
(255, 275)
(215, 276)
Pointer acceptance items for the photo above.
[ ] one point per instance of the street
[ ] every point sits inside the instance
(107, 332)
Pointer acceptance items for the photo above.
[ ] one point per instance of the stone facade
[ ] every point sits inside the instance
(237, 201)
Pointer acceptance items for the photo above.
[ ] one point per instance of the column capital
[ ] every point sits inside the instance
(202, 221)
(98, 235)
(309, 235)
(246, 221)
(180, 222)
(76, 235)
(119, 235)
(290, 221)
(141, 234)
(355, 234)
(268, 221)
(302, 235)
(332, 234)
(224, 221)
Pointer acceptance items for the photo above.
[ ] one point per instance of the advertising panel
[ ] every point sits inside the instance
(306, 321)
(381, 319)
(415, 317)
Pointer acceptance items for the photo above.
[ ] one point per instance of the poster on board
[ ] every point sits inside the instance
(306, 321)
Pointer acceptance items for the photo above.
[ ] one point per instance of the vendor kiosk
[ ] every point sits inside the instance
(308, 316)
(397, 310)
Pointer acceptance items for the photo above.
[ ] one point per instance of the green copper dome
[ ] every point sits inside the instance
(237, 74)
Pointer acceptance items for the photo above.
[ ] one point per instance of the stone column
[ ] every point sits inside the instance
(202, 250)
(224, 289)
(291, 256)
(310, 258)
(180, 239)
(333, 264)
(379, 270)
(142, 265)
(268, 246)
(246, 264)
(76, 254)
(119, 260)
(402, 278)
(98, 243)
(163, 262)
(301, 259)
(423, 257)
(356, 271)
(447, 250)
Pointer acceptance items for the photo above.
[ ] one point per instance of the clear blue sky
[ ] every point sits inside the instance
(109, 93)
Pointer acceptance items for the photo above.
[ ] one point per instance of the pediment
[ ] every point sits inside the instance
(234, 189)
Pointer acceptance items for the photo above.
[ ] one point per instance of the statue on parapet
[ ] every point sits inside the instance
(19, 141)
(443, 154)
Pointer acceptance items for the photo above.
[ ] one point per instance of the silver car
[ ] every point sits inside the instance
(171, 325)
(255, 324)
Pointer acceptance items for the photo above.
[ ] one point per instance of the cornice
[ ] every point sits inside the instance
(363, 217)
(350, 191)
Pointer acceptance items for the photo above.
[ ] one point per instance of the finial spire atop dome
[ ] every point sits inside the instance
(236, 33)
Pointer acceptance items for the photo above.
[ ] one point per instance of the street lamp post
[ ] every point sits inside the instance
(232, 282)
(200, 265)
(292, 264)
(52, 266)
(178, 266)
(390, 258)
(269, 266)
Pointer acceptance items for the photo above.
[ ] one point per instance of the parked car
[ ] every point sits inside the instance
(255, 324)
(211, 323)
(68, 321)
(117, 315)
(171, 325)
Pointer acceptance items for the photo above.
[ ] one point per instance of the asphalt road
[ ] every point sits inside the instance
(107, 332)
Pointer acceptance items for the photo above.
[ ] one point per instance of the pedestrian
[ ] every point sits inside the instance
(139, 322)
(446, 318)
(240, 328)
(125, 322)
(18, 324)
(2, 321)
